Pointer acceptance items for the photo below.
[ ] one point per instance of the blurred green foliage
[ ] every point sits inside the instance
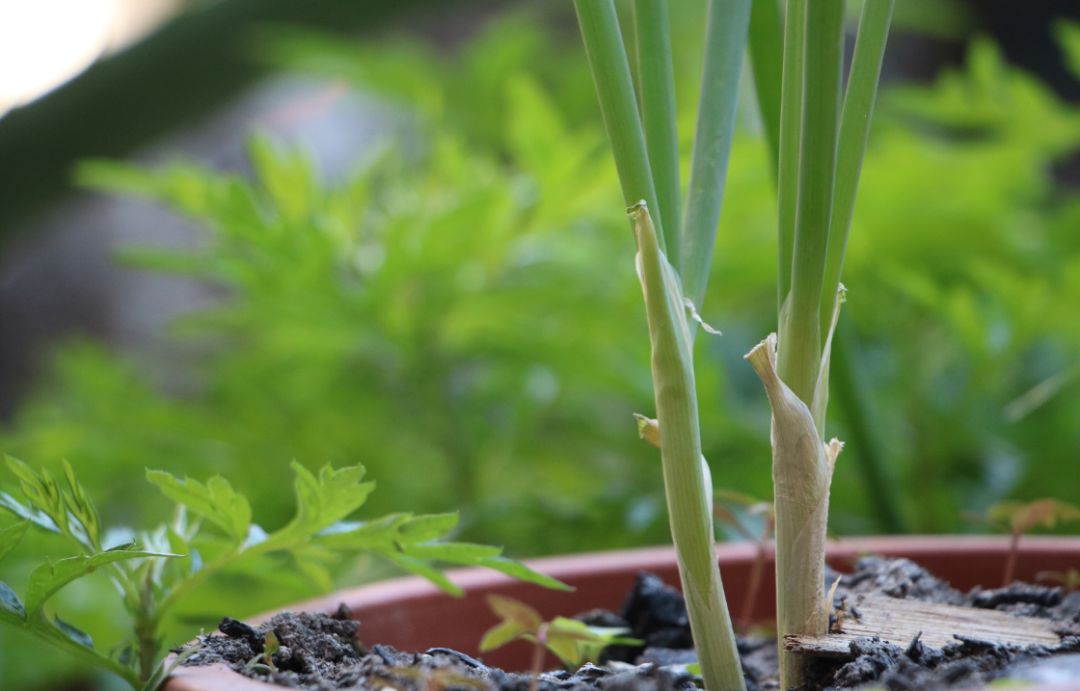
(460, 315)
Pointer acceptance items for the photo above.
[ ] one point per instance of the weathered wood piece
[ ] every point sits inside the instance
(899, 621)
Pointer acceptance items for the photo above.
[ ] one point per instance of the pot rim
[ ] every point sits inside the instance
(218, 677)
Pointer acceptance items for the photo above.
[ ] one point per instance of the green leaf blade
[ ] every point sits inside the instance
(615, 89)
(800, 330)
(656, 81)
(728, 23)
(216, 501)
(48, 578)
(854, 134)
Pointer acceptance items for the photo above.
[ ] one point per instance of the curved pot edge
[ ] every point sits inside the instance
(218, 677)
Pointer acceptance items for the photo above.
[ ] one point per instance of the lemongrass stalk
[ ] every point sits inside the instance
(802, 474)
(766, 33)
(656, 88)
(685, 485)
(726, 30)
(854, 132)
(787, 173)
(615, 90)
(799, 357)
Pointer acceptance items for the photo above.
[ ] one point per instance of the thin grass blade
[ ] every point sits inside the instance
(787, 174)
(615, 90)
(854, 132)
(801, 332)
(728, 23)
(656, 88)
(766, 62)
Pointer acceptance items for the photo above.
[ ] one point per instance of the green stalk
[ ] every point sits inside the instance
(787, 174)
(656, 87)
(727, 26)
(802, 475)
(615, 90)
(800, 330)
(854, 133)
(685, 484)
(766, 62)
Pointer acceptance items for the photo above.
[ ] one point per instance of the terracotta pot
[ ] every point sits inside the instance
(411, 614)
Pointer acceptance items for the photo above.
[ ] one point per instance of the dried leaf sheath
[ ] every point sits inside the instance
(802, 474)
(685, 483)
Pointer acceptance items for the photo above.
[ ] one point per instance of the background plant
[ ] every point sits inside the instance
(180, 556)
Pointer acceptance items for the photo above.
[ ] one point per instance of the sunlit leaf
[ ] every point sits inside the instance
(216, 501)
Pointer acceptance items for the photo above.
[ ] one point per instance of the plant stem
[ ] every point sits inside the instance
(854, 132)
(615, 90)
(656, 88)
(787, 175)
(802, 474)
(685, 485)
(766, 34)
(725, 42)
(800, 330)
(1010, 561)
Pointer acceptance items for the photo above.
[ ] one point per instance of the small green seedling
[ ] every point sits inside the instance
(572, 641)
(1020, 517)
(1069, 580)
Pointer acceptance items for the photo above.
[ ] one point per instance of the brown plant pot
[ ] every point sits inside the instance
(413, 615)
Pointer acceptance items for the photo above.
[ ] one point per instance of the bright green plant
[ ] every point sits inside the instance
(822, 141)
(573, 642)
(820, 136)
(211, 533)
(955, 314)
(672, 261)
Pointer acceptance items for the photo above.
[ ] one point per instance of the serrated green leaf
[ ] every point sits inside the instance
(427, 527)
(216, 501)
(50, 577)
(11, 536)
(41, 490)
(10, 604)
(380, 534)
(464, 553)
(516, 569)
(425, 570)
(321, 501)
(82, 508)
(499, 635)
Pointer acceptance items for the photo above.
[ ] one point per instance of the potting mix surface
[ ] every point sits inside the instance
(316, 651)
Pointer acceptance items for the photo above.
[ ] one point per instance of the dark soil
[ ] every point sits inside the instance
(322, 652)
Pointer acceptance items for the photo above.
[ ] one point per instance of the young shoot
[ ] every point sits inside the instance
(1021, 517)
(818, 129)
(572, 641)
